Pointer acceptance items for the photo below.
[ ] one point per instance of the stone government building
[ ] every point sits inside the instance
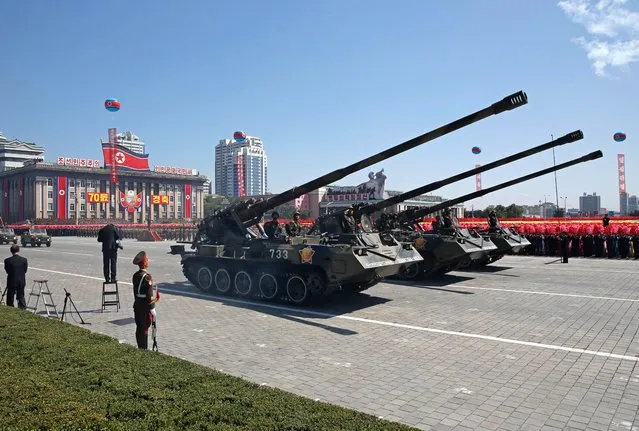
(74, 189)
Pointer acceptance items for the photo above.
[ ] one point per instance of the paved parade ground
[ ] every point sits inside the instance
(527, 343)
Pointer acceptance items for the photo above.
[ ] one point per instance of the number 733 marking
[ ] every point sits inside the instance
(278, 254)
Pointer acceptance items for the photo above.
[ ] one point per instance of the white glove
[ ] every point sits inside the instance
(153, 313)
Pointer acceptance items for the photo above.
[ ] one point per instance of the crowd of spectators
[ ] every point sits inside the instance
(609, 246)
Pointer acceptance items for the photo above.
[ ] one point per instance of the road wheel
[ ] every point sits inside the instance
(297, 290)
(243, 283)
(222, 281)
(269, 287)
(204, 278)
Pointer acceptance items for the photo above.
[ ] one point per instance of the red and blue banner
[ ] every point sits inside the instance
(124, 158)
(61, 207)
(188, 199)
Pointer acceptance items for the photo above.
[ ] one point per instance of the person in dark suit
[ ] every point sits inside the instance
(16, 268)
(109, 237)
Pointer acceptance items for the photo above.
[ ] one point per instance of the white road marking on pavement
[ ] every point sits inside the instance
(63, 252)
(121, 256)
(530, 292)
(536, 292)
(365, 320)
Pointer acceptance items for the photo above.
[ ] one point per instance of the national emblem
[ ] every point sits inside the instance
(420, 243)
(306, 254)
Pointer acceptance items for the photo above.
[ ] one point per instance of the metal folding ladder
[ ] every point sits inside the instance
(44, 293)
(106, 294)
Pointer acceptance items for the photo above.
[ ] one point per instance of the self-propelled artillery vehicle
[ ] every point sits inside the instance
(506, 239)
(230, 259)
(448, 247)
(405, 222)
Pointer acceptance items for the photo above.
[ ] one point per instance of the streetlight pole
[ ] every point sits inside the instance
(545, 206)
(553, 164)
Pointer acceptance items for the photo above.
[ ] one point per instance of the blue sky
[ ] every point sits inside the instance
(327, 83)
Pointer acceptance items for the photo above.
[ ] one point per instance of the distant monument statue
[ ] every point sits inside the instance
(374, 187)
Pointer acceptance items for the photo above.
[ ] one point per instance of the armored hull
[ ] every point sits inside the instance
(299, 271)
(507, 242)
(442, 251)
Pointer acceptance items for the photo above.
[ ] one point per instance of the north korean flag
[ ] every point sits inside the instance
(125, 158)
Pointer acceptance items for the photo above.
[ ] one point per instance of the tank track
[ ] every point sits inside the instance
(272, 282)
(424, 270)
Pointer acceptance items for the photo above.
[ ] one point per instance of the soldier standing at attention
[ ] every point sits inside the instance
(605, 220)
(144, 299)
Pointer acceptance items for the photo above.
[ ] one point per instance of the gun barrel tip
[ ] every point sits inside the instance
(515, 100)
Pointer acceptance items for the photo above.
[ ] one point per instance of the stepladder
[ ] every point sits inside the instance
(40, 289)
(110, 297)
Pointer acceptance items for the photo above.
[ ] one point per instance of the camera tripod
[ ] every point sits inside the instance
(3, 295)
(69, 300)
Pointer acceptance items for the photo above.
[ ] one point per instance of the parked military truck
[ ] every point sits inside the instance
(405, 223)
(8, 236)
(230, 259)
(35, 237)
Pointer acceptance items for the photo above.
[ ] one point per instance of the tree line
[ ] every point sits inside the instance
(213, 203)
(511, 211)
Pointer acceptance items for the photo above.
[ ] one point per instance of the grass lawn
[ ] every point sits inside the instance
(55, 375)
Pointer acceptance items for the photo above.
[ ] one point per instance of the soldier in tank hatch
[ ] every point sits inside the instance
(272, 228)
(437, 223)
(348, 221)
(448, 222)
(294, 228)
(493, 223)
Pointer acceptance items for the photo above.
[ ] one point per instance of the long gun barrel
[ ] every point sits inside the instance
(570, 137)
(412, 215)
(508, 103)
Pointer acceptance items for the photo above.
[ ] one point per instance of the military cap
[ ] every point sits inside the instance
(275, 214)
(139, 258)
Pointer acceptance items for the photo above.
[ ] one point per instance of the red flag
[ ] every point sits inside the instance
(62, 197)
(187, 201)
(125, 158)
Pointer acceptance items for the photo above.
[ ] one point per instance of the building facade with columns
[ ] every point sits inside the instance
(44, 190)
